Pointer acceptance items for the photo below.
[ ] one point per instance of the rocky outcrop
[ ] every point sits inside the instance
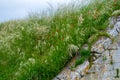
(107, 64)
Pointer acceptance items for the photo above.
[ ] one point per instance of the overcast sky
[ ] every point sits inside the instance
(16, 9)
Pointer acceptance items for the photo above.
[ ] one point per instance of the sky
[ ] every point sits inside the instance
(17, 9)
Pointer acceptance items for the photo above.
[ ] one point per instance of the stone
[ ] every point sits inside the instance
(109, 74)
(74, 76)
(62, 76)
(118, 43)
(107, 43)
(112, 21)
(109, 67)
(112, 47)
(108, 78)
(94, 68)
(117, 27)
(116, 55)
(116, 65)
(118, 18)
(106, 57)
(91, 77)
(98, 61)
(113, 33)
(82, 69)
(107, 64)
(97, 47)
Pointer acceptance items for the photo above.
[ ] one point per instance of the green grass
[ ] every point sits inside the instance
(85, 54)
(37, 48)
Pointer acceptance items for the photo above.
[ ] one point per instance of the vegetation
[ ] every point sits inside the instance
(117, 73)
(85, 54)
(116, 13)
(36, 48)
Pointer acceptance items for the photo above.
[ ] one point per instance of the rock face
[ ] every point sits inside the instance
(107, 64)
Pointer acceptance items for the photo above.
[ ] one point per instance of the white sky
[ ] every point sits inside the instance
(14, 9)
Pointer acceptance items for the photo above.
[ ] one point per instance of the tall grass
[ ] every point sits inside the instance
(37, 48)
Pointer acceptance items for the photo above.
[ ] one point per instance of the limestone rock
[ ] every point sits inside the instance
(106, 66)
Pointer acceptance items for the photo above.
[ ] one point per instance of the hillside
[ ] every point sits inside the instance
(39, 48)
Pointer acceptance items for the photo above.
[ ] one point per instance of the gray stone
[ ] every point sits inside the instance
(112, 21)
(94, 68)
(116, 65)
(113, 33)
(62, 76)
(91, 77)
(106, 54)
(116, 56)
(118, 18)
(113, 47)
(109, 67)
(107, 63)
(74, 76)
(98, 46)
(117, 26)
(83, 68)
(118, 43)
(109, 74)
(108, 78)
(107, 43)
(99, 61)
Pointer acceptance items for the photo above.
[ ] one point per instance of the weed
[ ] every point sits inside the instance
(104, 58)
(117, 73)
(84, 56)
(111, 62)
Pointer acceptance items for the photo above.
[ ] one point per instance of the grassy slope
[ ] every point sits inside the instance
(36, 49)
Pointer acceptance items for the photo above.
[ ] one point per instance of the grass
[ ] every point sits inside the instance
(85, 54)
(36, 48)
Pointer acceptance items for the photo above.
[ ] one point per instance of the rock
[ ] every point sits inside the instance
(107, 43)
(107, 75)
(118, 18)
(94, 68)
(112, 21)
(112, 47)
(98, 46)
(82, 69)
(107, 64)
(116, 55)
(109, 67)
(106, 58)
(118, 43)
(116, 65)
(74, 76)
(62, 75)
(117, 27)
(113, 32)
